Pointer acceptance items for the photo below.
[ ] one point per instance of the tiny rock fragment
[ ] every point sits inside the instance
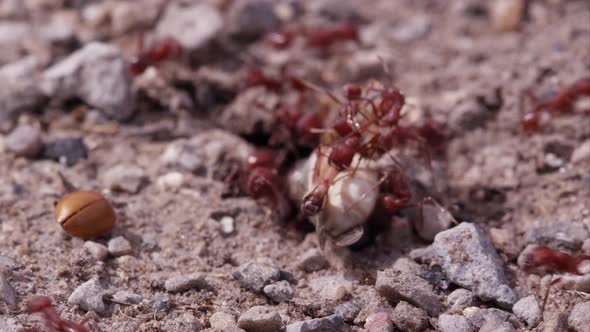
(467, 256)
(7, 263)
(160, 303)
(461, 298)
(186, 322)
(226, 225)
(562, 235)
(260, 319)
(125, 178)
(88, 296)
(491, 317)
(7, 293)
(65, 150)
(279, 291)
(97, 250)
(127, 297)
(433, 219)
(193, 25)
(347, 310)
(409, 318)
(328, 323)
(379, 322)
(507, 14)
(9, 324)
(222, 320)
(24, 141)
(119, 246)
(172, 180)
(579, 318)
(312, 260)
(251, 19)
(256, 274)
(97, 74)
(185, 282)
(332, 287)
(416, 28)
(126, 16)
(581, 153)
(528, 309)
(454, 323)
(396, 286)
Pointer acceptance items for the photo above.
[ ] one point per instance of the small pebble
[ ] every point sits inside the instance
(185, 282)
(127, 297)
(409, 318)
(454, 323)
(528, 310)
(88, 296)
(172, 180)
(332, 287)
(24, 141)
(119, 246)
(379, 322)
(507, 14)
(312, 260)
(260, 319)
(279, 291)
(347, 310)
(414, 29)
(160, 303)
(7, 263)
(328, 323)
(9, 324)
(7, 293)
(226, 224)
(491, 317)
(581, 153)
(97, 250)
(256, 274)
(579, 318)
(567, 235)
(222, 320)
(251, 19)
(125, 178)
(461, 298)
(65, 150)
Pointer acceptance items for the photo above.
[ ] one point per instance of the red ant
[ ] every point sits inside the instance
(163, 50)
(562, 102)
(43, 305)
(319, 37)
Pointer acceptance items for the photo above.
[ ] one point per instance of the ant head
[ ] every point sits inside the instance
(343, 152)
(342, 127)
(262, 182)
(352, 91)
(38, 303)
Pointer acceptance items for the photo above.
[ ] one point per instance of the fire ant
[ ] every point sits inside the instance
(563, 102)
(43, 305)
(318, 37)
(165, 49)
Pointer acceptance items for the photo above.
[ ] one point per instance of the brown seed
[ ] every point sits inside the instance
(85, 214)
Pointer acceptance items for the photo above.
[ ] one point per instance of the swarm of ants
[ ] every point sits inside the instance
(53, 322)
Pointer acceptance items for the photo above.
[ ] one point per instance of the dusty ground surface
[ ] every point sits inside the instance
(446, 57)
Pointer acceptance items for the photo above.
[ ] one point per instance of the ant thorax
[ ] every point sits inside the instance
(351, 195)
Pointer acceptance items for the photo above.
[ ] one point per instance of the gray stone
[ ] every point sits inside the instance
(409, 318)
(348, 311)
(186, 322)
(18, 96)
(396, 286)
(332, 287)
(97, 250)
(579, 318)
(193, 26)
(469, 259)
(251, 19)
(324, 324)
(491, 317)
(127, 297)
(13, 38)
(581, 153)
(65, 150)
(528, 309)
(312, 260)
(279, 291)
(98, 75)
(461, 298)
(125, 178)
(563, 235)
(379, 322)
(433, 219)
(497, 327)
(222, 320)
(127, 16)
(260, 319)
(7, 293)
(88, 296)
(183, 283)
(119, 246)
(454, 323)
(8, 324)
(416, 28)
(256, 274)
(24, 141)
(160, 303)
(7, 263)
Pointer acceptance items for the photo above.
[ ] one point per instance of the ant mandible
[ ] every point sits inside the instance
(43, 305)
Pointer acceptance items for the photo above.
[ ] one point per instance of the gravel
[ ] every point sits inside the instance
(160, 303)
(406, 317)
(461, 298)
(222, 320)
(279, 291)
(24, 141)
(312, 260)
(88, 296)
(127, 297)
(432, 220)
(193, 26)
(97, 250)
(256, 274)
(469, 259)
(347, 310)
(379, 322)
(8, 263)
(125, 178)
(579, 319)
(227, 225)
(260, 319)
(396, 285)
(183, 283)
(119, 246)
(97, 74)
(491, 317)
(528, 309)
(332, 287)
(560, 235)
(328, 323)
(65, 150)
(251, 19)
(7, 293)
(454, 323)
